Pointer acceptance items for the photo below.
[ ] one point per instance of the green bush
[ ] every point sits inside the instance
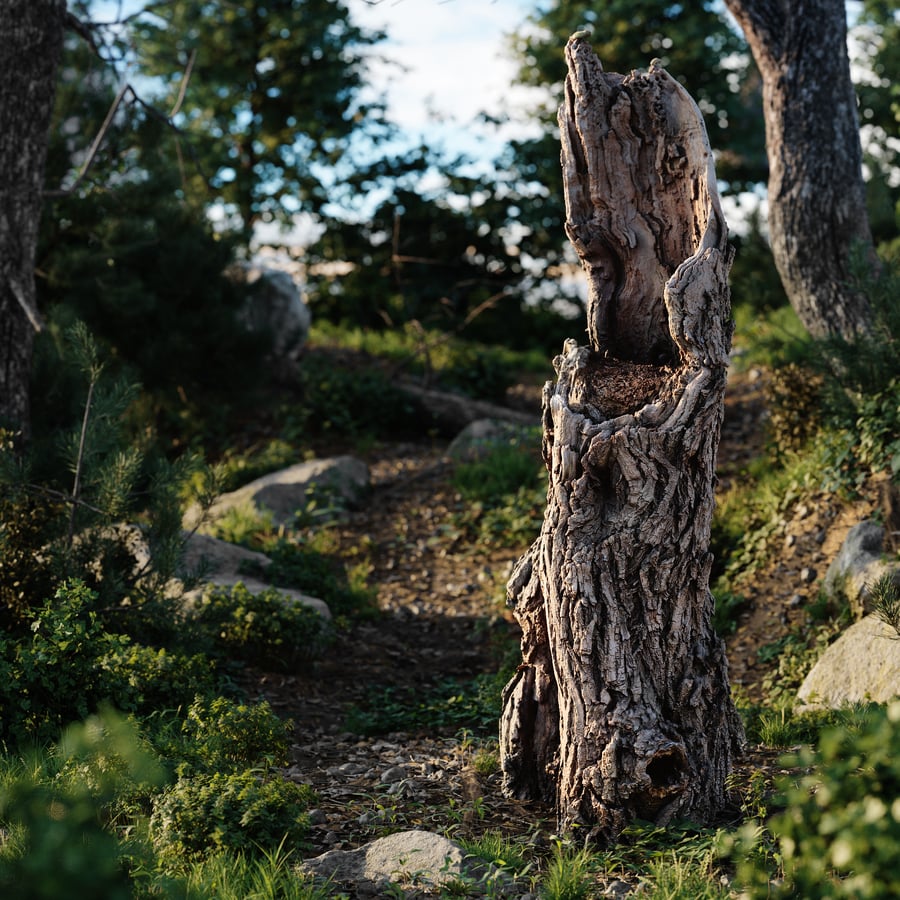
(266, 629)
(70, 665)
(203, 814)
(59, 813)
(839, 833)
(221, 735)
(145, 679)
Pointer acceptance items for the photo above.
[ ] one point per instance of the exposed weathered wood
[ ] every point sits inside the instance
(621, 707)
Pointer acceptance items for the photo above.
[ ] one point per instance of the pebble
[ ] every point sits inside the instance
(394, 774)
(807, 575)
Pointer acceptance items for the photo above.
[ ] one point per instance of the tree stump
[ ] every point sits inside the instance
(621, 707)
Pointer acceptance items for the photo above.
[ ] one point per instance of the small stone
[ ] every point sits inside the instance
(316, 817)
(617, 888)
(807, 575)
(790, 540)
(394, 774)
(331, 838)
(795, 601)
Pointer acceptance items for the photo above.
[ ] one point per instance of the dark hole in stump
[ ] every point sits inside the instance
(666, 769)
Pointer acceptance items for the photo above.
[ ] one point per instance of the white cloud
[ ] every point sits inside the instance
(456, 66)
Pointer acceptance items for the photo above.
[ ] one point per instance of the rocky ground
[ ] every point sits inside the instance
(441, 615)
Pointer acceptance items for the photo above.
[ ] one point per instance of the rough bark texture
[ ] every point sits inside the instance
(817, 204)
(30, 46)
(621, 706)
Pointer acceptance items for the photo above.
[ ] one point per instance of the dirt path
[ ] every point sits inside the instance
(441, 616)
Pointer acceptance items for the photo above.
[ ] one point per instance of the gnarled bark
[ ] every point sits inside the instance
(621, 706)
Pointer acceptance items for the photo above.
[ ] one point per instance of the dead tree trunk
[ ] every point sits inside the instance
(621, 706)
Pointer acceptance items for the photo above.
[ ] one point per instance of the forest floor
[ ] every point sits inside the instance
(441, 615)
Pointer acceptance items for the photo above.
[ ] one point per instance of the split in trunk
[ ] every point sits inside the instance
(621, 708)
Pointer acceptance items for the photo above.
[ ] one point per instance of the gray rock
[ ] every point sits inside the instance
(479, 438)
(403, 858)
(333, 484)
(860, 563)
(222, 565)
(275, 308)
(863, 664)
(208, 555)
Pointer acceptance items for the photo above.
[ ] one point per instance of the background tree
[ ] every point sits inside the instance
(31, 35)
(272, 100)
(817, 197)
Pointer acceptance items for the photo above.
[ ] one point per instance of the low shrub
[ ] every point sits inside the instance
(202, 814)
(221, 735)
(839, 832)
(64, 815)
(266, 629)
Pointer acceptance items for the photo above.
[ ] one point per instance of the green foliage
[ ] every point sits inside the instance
(569, 875)
(796, 653)
(267, 629)
(66, 500)
(63, 846)
(203, 814)
(504, 495)
(310, 565)
(144, 679)
(884, 596)
(264, 119)
(238, 876)
(728, 606)
(450, 705)
(70, 665)
(861, 382)
(839, 832)
(350, 402)
(141, 265)
(220, 735)
(431, 261)
(674, 878)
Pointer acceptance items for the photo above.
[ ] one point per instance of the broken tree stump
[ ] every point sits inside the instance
(621, 707)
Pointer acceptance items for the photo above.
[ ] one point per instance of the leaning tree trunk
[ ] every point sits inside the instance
(621, 706)
(817, 196)
(30, 46)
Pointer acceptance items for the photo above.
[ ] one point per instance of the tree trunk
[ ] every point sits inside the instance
(621, 707)
(30, 46)
(817, 202)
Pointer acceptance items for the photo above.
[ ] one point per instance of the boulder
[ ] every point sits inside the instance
(220, 564)
(274, 307)
(862, 665)
(208, 556)
(480, 437)
(419, 857)
(859, 563)
(333, 484)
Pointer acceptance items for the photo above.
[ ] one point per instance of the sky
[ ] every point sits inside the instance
(456, 66)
